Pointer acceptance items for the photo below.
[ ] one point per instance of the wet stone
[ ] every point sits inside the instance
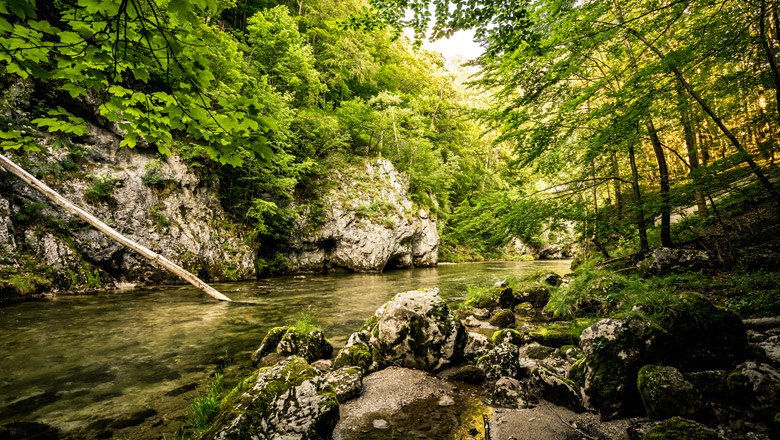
(380, 424)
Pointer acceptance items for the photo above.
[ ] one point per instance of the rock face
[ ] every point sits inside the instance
(291, 400)
(368, 225)
(415, 329)
(157, 202)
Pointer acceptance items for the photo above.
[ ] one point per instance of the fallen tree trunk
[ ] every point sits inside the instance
(65, 204)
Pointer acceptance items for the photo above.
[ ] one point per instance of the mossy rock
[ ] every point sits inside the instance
(577, 372)
(614, 351)
(571, 352)
(289, 399)
(308, 343)
(536, 294)
(510, 336)
(558, 334)
(756, 386)
(269, 343)
(503, 318)
(701, 336)
(357, 355)
(665, 393)
(678, 428)
(502, 361)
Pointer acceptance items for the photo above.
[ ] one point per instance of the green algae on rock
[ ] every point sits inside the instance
(289, 399)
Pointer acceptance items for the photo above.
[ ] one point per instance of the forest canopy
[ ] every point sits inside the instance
(619, 116)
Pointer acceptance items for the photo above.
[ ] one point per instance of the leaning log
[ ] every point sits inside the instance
(147, 253)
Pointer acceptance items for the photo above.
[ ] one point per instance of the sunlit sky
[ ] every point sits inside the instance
(460, 46)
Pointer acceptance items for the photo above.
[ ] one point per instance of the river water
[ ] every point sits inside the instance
(129, 363)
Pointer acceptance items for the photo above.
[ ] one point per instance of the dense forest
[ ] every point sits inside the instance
(606, 114)
(637, 138)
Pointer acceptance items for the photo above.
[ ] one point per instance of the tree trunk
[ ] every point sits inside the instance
(663, 172)
(690, 145)
(640, 212)
(746, 157)
(770, 56)
(616, 184)
(155, 258)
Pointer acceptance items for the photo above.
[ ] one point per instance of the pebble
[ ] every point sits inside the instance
(380, 424)
(446, 401)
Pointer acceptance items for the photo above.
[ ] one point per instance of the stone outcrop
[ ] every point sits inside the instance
(415, 329)
(368, 224)
(155, 201)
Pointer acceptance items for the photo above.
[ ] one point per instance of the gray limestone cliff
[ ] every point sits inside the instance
(157, 202)
(367, 224)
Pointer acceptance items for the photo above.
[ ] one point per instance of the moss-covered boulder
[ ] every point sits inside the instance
(503, 318)
(346, 381)
(307, 342)
(289, 400)
(678, 428)
(757, 386)
(672, 260)
(507, 392)
(559, 334)
(557, 389)
(665, 393)
(700, 336)
(477, 345)
(535, 293)
(356, 352)
(510, 336)
(614, 351)
(415, 329)
(503, 360)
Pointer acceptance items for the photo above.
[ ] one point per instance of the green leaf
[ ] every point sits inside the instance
(74, 90)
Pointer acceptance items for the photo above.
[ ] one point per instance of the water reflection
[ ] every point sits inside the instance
(81, 363)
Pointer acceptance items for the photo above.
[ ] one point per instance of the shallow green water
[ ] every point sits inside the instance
(129, 363)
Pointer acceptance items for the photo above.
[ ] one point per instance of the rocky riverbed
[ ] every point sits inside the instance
(417, 369)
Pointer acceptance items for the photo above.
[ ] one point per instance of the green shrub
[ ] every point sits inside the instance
(100, 191)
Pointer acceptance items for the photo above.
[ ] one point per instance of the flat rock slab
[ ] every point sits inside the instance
(406, 402)
(550, 422)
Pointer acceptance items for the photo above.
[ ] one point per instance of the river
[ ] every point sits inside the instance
(129, 363)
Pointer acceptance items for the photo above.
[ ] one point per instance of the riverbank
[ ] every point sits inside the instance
(506, 361)
(99, 359)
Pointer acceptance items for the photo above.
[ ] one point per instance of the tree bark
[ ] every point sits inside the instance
(640, 212)
(65, 204)
(663, 172)
(746, 157)
(769, 54)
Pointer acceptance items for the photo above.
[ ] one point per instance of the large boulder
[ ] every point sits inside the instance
(680, 428)
(308, 343)
(291, 400)
(757, 386)
(415, 329)
(671, 260)
(501, 361)
(369, 224)
(614, 351)
(666, 393)
(701, 336)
